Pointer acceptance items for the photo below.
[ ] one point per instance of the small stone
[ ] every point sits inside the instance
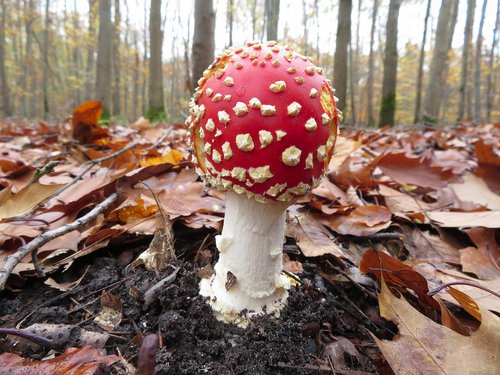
(294, 109)
(244, 142)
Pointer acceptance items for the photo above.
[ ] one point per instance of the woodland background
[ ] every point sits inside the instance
(143, 58)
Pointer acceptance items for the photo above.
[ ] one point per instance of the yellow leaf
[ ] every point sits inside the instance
(425, 347)
(27, 199)
(172, 157)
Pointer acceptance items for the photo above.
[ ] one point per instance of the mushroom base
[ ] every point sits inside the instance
(247, 279)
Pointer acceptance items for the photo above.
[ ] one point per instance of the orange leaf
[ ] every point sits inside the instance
(85, 122)
(172, 157)
(78, 361)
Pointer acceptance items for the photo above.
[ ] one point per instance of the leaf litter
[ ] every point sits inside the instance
(412, 208)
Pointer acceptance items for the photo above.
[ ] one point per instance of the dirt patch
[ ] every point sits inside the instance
(192, 340)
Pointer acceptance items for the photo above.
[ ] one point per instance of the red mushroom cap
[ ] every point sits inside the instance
(263, 121)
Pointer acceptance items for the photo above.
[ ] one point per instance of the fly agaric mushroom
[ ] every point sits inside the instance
(263, 123)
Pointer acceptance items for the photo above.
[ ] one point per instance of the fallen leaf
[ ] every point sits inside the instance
(483, 259)
(432, 248)
(81, 361)
(487, 219)
(475, 190)
(425, 347)
(111, 314)
(172, 157)
(27, 199)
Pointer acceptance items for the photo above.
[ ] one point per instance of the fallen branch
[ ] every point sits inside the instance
(152, 293)
(13, 260)
(465, 283)
(40, 340)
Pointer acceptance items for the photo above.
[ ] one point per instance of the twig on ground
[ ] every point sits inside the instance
(152, 293)
(146, 361)
(42, 341)
(13, 260)
(441, 287)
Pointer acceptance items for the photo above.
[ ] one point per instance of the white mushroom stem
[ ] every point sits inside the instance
(250, 248)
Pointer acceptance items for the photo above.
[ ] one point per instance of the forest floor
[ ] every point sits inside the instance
(401, 212)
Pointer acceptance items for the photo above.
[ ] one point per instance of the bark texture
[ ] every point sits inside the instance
(104, 53)
(272, 13)
(203, 38)
(156, 105)
(371, 66)
(388, 103)
(420, 76)
(3, 73)
(116, 60)
(490, 91)
(477, 66)
(439, 63)
(340, 72)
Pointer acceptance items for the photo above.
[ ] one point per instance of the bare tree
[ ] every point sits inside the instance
(305, 28)
(254, 19)
(3, 70)
(116, 60)
(156, 110)
(489, 87)
(342, 42)
(420, 76)
(388, 103)
(272, 13)
(230, 20)
(89, 81)
(203, 38)
(463, 92)
(439, 63)
(104, 53)
(477, 65)
(353, 67)
(45, 72)
(371, 66)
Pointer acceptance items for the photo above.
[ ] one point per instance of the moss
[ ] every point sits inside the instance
(388, 103)
(156, 115)
(105, 118)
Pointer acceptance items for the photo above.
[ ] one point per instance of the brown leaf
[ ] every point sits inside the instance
(425, 347)
(474, 189)
(483, 260)
(362, 221)
(433, 248)
(487, 219)
(85, 122)
(355, 171)
(78, 361)
(414, 171)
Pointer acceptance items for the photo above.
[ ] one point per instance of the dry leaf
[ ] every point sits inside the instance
(81, 361)
(483, 260)
(425, 347)
(27, 199)
(487, 219)
(475, 190)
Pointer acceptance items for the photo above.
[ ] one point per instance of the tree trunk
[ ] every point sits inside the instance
(353, 66)
(104, 53)
(230, 20)
(89, 79)
(145, 66)
(490, 96)
(388, 103)
(27, 78)
(203, 38)
(272, 12)
(463, 92)
(342, 43)
(3, 69)
(76, 56)
(46, 43)
(420, 76)
(116, 60)
(156, 110)
(305, 28)
(477, 65)
(135, 78)
(439, 63)
(254, 19)
(371, 66)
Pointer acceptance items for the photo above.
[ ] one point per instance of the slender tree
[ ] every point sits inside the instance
(477, 66)
(272, 13)
(371, 66)
(439, 62)
(156, 109)
(104, 53)
(463, 92)
(230, 20)
(420, 76)
(340, 71)
(3, 69)
(489, 87)
(388, 103)
(46, 47)
(203, 38)
(117, 60)
(305, 32)
(90, 48)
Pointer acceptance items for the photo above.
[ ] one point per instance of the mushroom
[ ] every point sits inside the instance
(267, 145)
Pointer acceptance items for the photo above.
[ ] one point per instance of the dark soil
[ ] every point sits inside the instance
(192, 340)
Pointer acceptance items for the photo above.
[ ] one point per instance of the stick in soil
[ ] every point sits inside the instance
(13, 260)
